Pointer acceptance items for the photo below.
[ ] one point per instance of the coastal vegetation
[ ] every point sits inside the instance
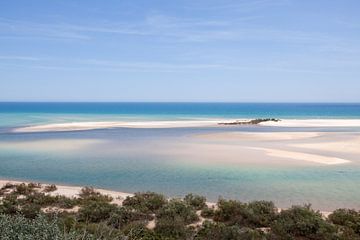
(33, 211)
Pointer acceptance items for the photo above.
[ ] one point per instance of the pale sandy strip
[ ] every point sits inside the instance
(314, 123)
(347, 146)
(302, 156)
(77, 126)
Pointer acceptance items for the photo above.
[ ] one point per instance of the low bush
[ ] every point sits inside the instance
(198, 202)
(302, 222)
(50, 188)
(347, 218)
(122, 216)
(89, 194)
(221, 231)
(95, 211)
(260, 214)
(18, 227)
(147, 202)
(178, 209)
(230, 211)
(207, 212)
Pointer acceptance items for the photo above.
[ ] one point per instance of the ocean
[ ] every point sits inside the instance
(132, 160)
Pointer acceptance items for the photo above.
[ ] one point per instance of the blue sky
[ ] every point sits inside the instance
(203, 50)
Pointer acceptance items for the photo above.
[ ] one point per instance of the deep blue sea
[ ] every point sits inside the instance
(133, 160)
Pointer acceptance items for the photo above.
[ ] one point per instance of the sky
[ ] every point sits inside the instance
(185, 50)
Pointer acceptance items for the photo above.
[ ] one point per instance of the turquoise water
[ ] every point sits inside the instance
(131, 160)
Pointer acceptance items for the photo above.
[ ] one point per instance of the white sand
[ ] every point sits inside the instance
(314, 123)
(271, 148)
(78, 126)
(348, 146)
(303, 156)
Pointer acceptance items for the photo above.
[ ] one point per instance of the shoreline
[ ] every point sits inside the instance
(92, 125)
(72, 190)
(118, 196)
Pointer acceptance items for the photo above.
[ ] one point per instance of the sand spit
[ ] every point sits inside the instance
(303, 156)
(81, 126)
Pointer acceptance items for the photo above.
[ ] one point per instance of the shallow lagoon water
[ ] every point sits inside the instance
(129, 160)
(133, 160)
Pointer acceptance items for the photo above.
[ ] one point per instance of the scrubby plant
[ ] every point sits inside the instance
(30, 210)
(34, 185)
(173, 218)
(9, 205)
(177, 208)
(89, 194)
(221, 231)
(260, 213)
(207, 212)
(302, 222)
(50, 188)
(23, 189)
(95, 211)
(122, 216)
(145, 202)
(18, 227)
(347, 218)
(196, 201)
(230, 211)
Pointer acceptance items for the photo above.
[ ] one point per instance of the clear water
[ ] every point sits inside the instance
(128, 159)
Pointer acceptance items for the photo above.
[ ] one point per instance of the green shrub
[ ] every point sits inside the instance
(178, 209)
(173, 218)
(122, 216)
(302, 222)
(254, 214)
(260, 214)
(207, 212)
(220, 231)
(230, 211)
(34, 185)
(65, 202)
(347, 218)
(50, 188)
(173, 228)
(9, 205)
(18, 227)
(23, 189)
(198, 202)
(145, 202)
(30, 210)
(89, 194)
(95, 211)
(40, 199)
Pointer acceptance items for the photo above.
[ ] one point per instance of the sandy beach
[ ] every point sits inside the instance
(73, 191)
(118, 197)
(81, 126)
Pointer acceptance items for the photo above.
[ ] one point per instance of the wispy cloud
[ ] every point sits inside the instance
(22, 58)
(165, 28)
(301, 65)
